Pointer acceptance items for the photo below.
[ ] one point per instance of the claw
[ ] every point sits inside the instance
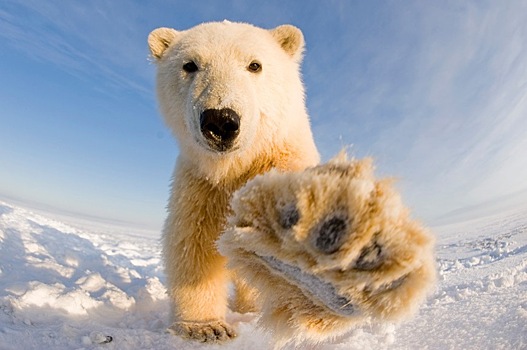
(213, 332)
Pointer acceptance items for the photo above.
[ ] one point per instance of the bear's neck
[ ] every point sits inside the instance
(229, 173)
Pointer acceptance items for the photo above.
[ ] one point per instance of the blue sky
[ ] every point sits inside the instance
(435, 91)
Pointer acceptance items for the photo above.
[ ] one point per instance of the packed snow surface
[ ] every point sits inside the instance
(87, 286)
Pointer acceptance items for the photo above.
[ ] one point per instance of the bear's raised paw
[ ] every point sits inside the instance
(205, 332)
(328, 249)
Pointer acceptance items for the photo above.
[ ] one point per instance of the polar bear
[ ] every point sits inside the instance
(329, 248)
(233, 97)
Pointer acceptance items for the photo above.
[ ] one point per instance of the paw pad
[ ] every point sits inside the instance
(370, 258)
(330, 235)
(289, 216)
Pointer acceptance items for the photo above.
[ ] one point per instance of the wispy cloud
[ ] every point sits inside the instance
(94, 40)
(471, 84)
(442, 104)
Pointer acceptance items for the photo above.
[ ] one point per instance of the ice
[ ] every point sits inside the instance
(79, 285)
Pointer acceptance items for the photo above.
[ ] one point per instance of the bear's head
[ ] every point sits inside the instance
(229, 90)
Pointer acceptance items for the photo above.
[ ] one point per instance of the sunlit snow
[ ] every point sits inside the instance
(78, 286)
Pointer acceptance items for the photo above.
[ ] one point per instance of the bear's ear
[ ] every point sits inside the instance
(290, 39)
(160, 39)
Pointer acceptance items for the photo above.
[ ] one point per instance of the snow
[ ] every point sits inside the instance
(85, 286)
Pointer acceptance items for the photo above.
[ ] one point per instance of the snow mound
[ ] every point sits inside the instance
(65, 287)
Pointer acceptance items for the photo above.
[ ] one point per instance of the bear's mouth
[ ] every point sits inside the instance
(215, 148)
(221, 147)
(324, 292)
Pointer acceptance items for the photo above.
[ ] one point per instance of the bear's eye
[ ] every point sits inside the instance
(254, 67)
(190, 67)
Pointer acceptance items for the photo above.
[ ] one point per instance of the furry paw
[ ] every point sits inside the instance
(328, 248)
(205, 332)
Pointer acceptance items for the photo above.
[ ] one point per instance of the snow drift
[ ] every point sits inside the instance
(77, 286)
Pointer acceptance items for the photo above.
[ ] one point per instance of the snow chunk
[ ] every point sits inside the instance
(91, 283)
(56, 296)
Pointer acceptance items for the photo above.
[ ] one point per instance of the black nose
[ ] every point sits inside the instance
(220, 127)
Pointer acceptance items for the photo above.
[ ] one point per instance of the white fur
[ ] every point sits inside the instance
(270, 103)
(274, 133)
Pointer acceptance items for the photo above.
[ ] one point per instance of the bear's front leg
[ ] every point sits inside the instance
(245, 298)
(196, 273)
(329, 249)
